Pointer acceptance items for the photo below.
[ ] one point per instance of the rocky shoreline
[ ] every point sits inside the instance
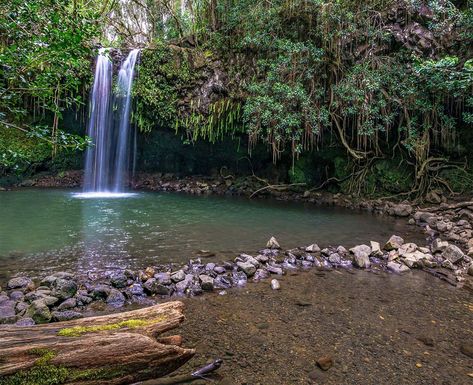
(64, 296)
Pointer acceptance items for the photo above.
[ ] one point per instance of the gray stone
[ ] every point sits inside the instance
(398, 268)
(64, 288)
(262, 258)
(394, 243)
(136, 289)
(16, 295)
(66, 315)
(219, 269)
(248, 268)
(453, 254)
(99, 291)
(50, 300)
(470, 269)
(115, 298)
(275, 270)
(250, 259)
(401, 210)
(21, 307)
(39, 311)
(119, 280)
(23, 283)
(275, 285)
(261, 274)
(273, 244)
(7, 312)
(335, 259)
(26, 321)
(240, 278)
(361, 256)
(163, 278)
(361, 260)
(375, 249)
(4, 298)
(178, 276)
(206, 282)
(314, 248)
(182, 285)
(68, 304)
(438, 245)
(83, 300)
(223, 282)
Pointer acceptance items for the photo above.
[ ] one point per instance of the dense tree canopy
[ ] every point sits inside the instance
(380, 79)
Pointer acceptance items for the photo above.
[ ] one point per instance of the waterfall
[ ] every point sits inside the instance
(98, 157)
(108, 159)
(122, 157)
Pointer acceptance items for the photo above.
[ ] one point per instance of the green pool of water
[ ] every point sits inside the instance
(42, 231)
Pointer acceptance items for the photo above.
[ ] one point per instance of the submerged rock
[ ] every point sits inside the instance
(23, 283)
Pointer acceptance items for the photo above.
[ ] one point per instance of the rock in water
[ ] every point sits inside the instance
(275, 284)
(23, 283)
(361, 257)
(376, 249)
(401, 210)
(273, 244)
(64, 288)
(394, 243)
(314, 248)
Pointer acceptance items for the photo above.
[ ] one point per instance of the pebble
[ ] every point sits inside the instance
(275, 285)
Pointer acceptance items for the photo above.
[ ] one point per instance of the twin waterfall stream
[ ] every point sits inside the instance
(108, 159)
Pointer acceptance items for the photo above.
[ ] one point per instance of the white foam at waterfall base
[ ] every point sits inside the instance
(103, 195)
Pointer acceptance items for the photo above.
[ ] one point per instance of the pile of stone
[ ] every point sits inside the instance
(64, 296)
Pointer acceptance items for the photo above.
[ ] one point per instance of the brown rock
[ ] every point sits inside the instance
(325, 363)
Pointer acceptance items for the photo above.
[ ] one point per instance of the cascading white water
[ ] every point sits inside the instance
(107, 160)
(98, 157)
(122, 157)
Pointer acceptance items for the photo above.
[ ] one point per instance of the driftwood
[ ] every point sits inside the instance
(120, 348)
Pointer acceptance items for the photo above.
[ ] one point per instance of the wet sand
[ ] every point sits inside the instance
(377, 328)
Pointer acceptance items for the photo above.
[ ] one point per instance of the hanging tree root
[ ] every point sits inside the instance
(115, 349)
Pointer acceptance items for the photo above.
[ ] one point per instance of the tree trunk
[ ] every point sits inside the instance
(114, 349)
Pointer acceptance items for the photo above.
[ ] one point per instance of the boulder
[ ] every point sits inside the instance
(407, 248)
(438, 245)
(7, 312)
(39, 312)
(163, 278)
(64, 288)
(314, 248)
(394, 243)
(248, 268)
(335, 259)
(119, 280)
(206, 282)
(66, 315)
(21, 283)
(115, 298)
(401, 210)
(275, 270)
(453, 254)
(68, 304)
(178, 276)
(273, 244)
(397, 268)
(250, 259)
(361, 256)
(100, 291)
(376, 249)
(25, 322)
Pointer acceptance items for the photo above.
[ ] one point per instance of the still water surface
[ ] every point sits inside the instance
(42, 231)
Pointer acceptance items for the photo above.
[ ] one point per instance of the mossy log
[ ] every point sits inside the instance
(120, 348)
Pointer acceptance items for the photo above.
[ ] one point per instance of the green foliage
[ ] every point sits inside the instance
(162, 73)
(45, 52)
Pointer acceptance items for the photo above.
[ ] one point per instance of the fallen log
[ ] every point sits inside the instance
(121, 348)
